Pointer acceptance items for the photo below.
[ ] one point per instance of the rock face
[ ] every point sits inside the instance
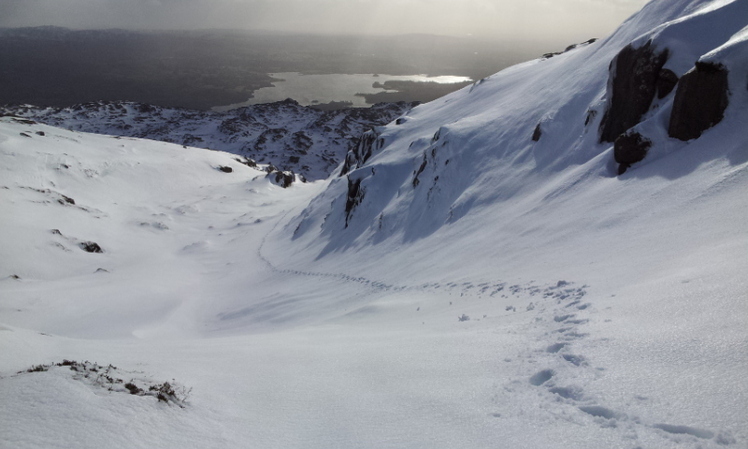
(666, 81)
(700, 101)
(359, 154)
(632, 87)
(628, 149)
(354, 198)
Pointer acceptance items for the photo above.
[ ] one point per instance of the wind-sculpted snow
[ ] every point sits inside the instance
(307, 141)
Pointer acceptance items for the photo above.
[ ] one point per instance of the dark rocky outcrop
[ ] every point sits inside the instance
(91, 247)
(225, 169)
(666, 81)
(65, 200)
(630, 148)
(591, 114)
(569, 48)
(537, 133)
(420, 170)
(631, 89)
(248, 162)
(354, 198)
(365, 147)
(700, 101)
(281, 178)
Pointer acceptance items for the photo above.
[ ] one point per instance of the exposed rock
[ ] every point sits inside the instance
(365, 147)
(145, 108)
(537, 133)
(225, 169)
(302, 142)
(65, 200)
(354, 198)
(700, 101)
(666, 81)
(20, 120)
(247, 162)
(631, 89)
(420, 170)
(591, 114)
(630, 148)
(281, 178)
(90, 247)
(569, 48)
(190, 140)
(267, 133)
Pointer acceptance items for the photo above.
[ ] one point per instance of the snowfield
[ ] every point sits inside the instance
(456, 283)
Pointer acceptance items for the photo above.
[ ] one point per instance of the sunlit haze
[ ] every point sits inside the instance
(563, 20)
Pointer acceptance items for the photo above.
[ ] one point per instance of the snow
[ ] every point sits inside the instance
(290, 136)
(527, 298)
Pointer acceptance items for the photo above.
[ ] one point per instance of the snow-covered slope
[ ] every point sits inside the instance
(480, 275)
(307, 141)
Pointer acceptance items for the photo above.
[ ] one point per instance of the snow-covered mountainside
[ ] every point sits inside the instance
(307, 141)
(554, 257)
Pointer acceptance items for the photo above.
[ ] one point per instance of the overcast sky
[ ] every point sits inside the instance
(565, 20)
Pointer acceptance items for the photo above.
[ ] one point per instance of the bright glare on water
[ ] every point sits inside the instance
(315, 89)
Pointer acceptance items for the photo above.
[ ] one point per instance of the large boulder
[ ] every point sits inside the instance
(700, 101)
(633, 84)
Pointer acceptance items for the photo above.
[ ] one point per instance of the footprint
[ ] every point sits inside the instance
(573, 393)
(541, 377)
(685, 430)
(576, 360)
(554, 348)
(583, 321)
(575, 335)
(599, 412)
